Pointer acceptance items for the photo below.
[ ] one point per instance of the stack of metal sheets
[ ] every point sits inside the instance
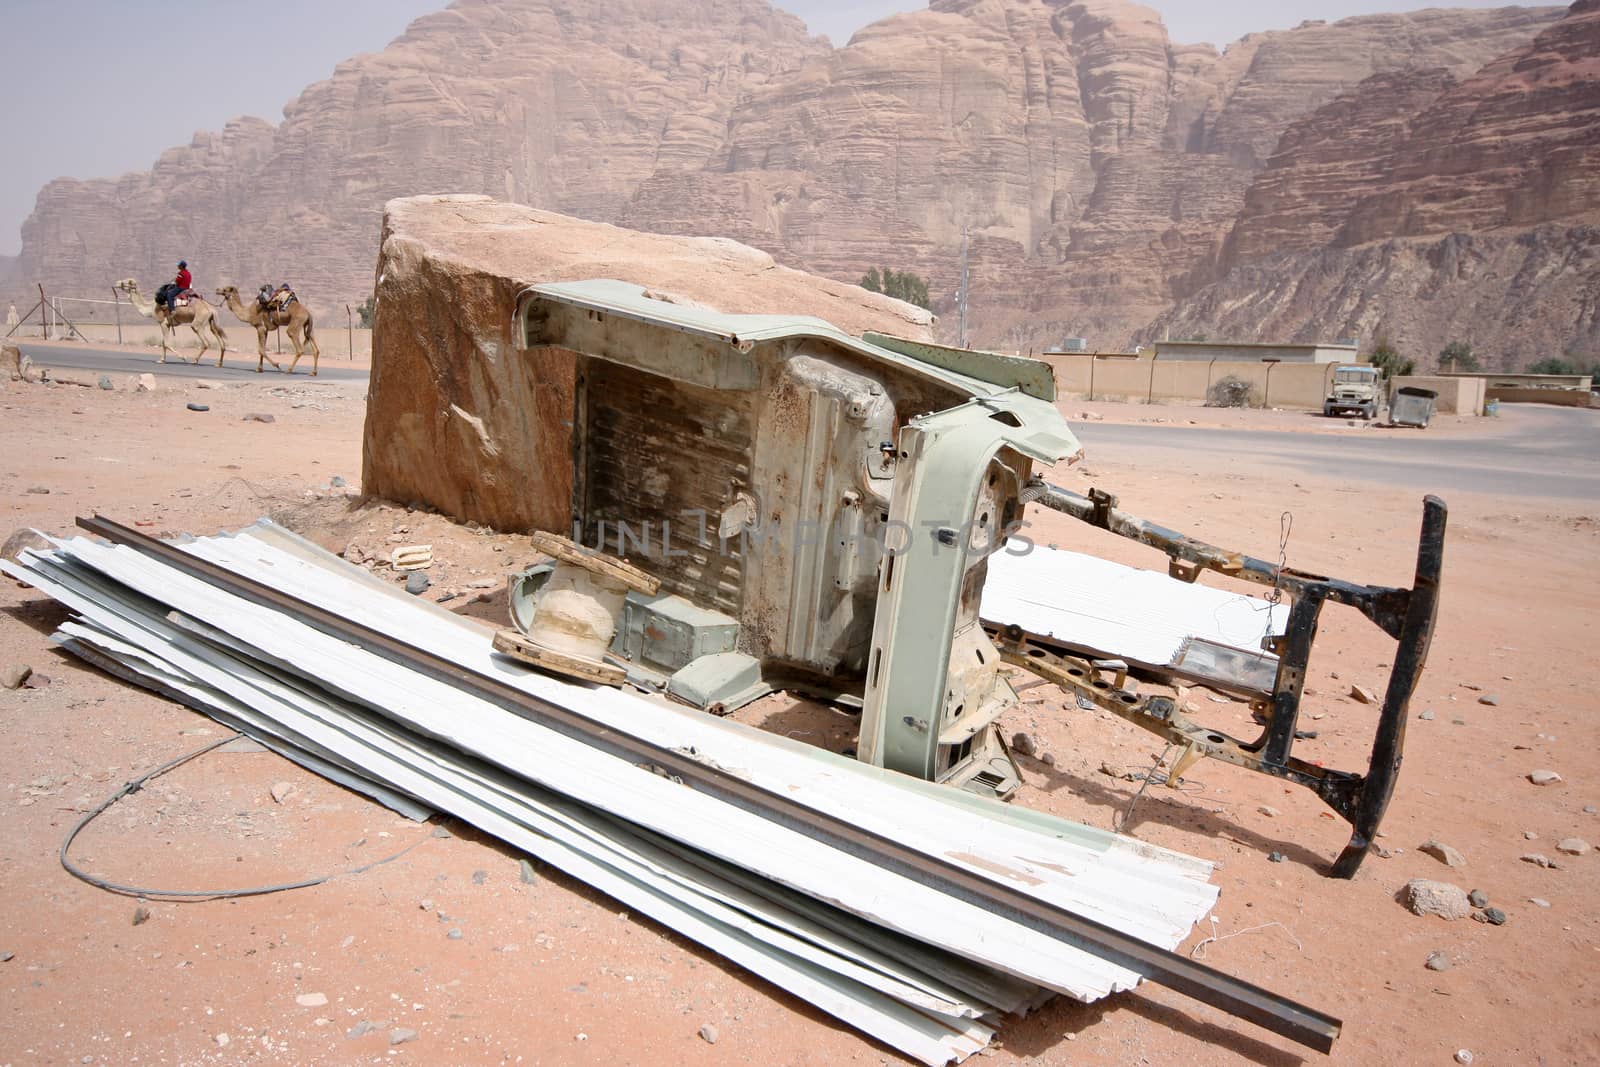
(927, 954)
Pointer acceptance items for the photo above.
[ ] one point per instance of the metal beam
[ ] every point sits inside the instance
(1278, 1014)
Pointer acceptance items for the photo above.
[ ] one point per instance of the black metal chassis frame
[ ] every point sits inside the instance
(1280, 1015)
(1407, 615)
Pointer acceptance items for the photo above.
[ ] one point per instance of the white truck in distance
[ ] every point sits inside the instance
(1355, 390)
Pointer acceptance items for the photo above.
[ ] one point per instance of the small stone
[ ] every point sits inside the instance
(141, 915)
(1048, 759)
(222, 1040)
(526, 872)
(106, 383)
(7, 957)
(1539, 902)
(312, 1000)
(281, 791)
(1269, 811)
(417, 583)
(708, 1034)
(13, 676)
(337, 482)
(192, 406)
(258, 416)
(1442, 852)
(1529, 835)
(1478, 898)
(1463, 1055)
(1537, 859)
(454, 934)
(400, 1035)
(1274, 857)
(1363, 695)
(144, 383)
(1590, 809)
(37, 681)
(426, 904)
(479, 877)
(1437, 961)
(1489, 699)
(1572, 846)
(1022, 744)
(1427, 897)
(360, 1029)
(1426, 716)
(1492, 916)
(439, 831)
(38, 490)
(1543, 777)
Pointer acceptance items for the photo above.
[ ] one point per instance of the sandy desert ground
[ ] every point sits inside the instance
(449, 941)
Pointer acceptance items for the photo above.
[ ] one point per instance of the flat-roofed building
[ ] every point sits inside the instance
(1321, 352)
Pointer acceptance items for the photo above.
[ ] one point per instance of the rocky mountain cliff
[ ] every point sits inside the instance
(1109, 179)
(1429, 209)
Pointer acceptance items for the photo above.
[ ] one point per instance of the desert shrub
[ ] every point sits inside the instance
(364, 312)
(902, 285)
(1231, 392)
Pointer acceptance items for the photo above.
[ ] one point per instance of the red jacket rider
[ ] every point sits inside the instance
(184, 279)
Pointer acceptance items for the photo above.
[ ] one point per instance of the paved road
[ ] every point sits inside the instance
(238, 367)
(1543, 451)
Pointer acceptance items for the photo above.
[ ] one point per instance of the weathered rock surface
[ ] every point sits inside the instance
(448, 416)
(1426, 897)
(1097, 164)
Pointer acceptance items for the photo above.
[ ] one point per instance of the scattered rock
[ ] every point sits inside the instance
(1590, 809)
(1478, 898)
(400, 1035)
(222, 1040)
(1572, 846)
(708, 1034)
(13, 676)
(37, 681)
(526, 872)
(454, 934)
(1538, 859)
(1269, 811)
(144, 383)
(312, 1000)
(281, 791)
(1427, 897)
(355, 553)
(1529, 835)
(440, 831)
(417, 583)
(38, 490)
(1048, 759)
(360, 1029)
(22, 539)
(426, 904)
(337, 482)
(192, 406)
(1426, 716)
(1539, 902)
(141, 915)
(1363, 695)
(7, 957)
(1544, 777)
(106, 383)
(1492, 916)
(258, 416)
(1489, 699)
(1463, 1055)
(1274, 857)
(1444, 853)
(1022, 745)
(1438, 961)
(479, 877)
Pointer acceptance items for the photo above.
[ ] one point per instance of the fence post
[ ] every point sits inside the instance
(349, 333)
(44, 312)
(116, 298)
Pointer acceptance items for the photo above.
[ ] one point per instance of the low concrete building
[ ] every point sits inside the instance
(1321, 352)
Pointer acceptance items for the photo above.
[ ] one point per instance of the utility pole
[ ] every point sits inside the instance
(961, 294)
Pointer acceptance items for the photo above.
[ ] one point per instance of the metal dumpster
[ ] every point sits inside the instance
(1411, 406)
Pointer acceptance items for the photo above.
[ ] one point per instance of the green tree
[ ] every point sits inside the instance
(1388, 360)
(1457, 356)
(902, 285)
(1556, 365)
(365, 310)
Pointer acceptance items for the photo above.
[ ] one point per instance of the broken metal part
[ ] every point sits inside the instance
(1407, 615)
(1278, 1014)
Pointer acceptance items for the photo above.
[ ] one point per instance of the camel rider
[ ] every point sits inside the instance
(264, 297)
(169, 294)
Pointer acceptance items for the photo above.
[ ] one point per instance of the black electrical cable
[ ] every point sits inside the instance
(191, 894)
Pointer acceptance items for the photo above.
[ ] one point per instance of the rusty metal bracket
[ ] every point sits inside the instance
(1407, 615)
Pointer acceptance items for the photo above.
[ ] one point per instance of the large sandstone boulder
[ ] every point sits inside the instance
(458, 419)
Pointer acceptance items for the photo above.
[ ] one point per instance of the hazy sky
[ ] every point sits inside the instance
(92, 88)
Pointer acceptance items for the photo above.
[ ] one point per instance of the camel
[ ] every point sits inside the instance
(196, 314)
(296, 318)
